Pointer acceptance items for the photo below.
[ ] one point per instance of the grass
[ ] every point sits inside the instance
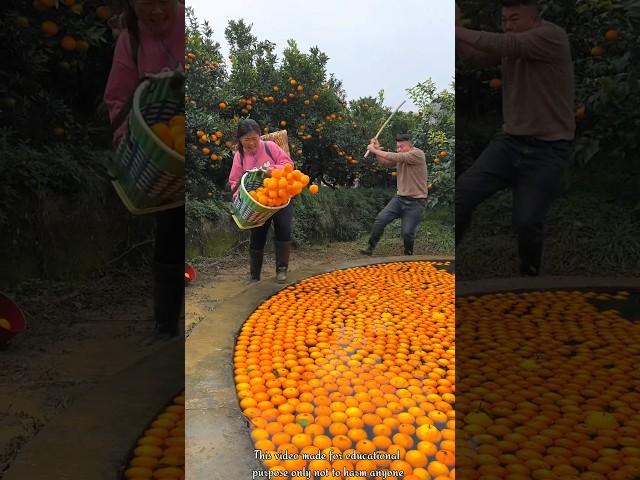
(435, 235)
(588, 232)
(335, 217)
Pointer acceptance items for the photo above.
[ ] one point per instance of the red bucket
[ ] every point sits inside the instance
(189, 273)
(11, 315)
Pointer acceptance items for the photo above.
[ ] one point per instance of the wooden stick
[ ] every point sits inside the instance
(385, 124)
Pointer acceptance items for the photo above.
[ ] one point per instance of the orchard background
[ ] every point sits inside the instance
(71, 255)
(594, 227)
(328, 135)
(55, 139)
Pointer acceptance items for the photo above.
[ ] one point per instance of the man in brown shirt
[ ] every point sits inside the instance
(411, 199)
(539, 122)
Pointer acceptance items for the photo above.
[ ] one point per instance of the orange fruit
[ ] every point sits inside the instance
(357, 434)
(103, 12)
(68, 43)
(290, 392)
(382, 430)
(318, 465)
(382, 442)
(429, 433)
(416, 458)
(437, 469)
(292, 465)
(403, 440)
(322, 442)
(366, 466)
(428, 448)
(365, 446)
(292, 428)
(401, 466)
(495, 83)
(259, 434)
(301, 440)
(612, 35)
(446, 457)
(265, 445)
(338, 429)
(342, 442)
(50, 28)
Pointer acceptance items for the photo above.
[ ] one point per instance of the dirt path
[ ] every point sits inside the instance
(221, 279)
(78, 335)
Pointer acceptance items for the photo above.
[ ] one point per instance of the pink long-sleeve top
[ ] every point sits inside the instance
(280, 159)
(156, 53)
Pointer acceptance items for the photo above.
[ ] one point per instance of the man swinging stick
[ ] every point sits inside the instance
(539, 124)
(411, 199)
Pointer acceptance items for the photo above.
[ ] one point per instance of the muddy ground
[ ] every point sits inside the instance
(221, 279)
(78, 335)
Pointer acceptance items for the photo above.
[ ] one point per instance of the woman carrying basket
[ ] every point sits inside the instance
(151, 40)
(252, 153)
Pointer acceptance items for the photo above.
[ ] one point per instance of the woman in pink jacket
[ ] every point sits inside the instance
(253, 153)
(151, 40)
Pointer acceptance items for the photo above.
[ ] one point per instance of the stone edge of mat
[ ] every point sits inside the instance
(477, 287)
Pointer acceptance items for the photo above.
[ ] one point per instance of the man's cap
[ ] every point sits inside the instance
(403, 137)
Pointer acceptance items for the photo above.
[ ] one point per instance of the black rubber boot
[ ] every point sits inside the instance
(367, 251)
(408, 247)
(373, 241)
(168, 297)
(283, 249)
(529, 269)
(255, 264)
(530, 252)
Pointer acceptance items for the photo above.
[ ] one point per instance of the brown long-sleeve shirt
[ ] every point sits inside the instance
(538, 79)
(412, 172)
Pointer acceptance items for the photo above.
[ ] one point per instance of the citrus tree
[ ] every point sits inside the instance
(327, 134)
(51, 87)
(435, 134)
(53, 83)
(605, 43)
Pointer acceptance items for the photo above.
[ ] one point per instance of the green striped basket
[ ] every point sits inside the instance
(148, 175)
(247, 212)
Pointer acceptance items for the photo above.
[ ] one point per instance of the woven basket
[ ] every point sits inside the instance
(148, 175)
(279, 137)
(247, 212)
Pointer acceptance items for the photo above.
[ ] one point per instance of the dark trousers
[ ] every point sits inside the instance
(168, 270)
(533, 169)
(282, 226)
(169, 238)
(408, 209)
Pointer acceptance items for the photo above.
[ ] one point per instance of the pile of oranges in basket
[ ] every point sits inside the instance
(353, 371)
(171, 133)
(280, 186)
